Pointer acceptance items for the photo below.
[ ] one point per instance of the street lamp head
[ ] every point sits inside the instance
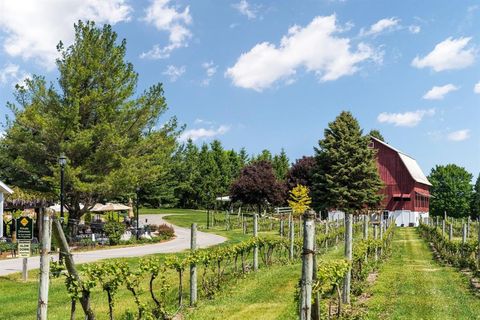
(62, 161)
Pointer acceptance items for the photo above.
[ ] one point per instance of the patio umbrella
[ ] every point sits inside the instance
(110, 207)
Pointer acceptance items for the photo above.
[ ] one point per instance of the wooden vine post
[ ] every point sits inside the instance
(307, 266)
(450, 232)
(375, 236)
(72, 270)
(381, 236)
(316, 298)
(464, 233)
(46, 240)
(365, 227)
(193, 267)
(443, 228)
(348, 257)
(291, 235)
(255, 248)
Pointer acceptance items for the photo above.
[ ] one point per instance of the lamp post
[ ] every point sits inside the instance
(62, 161)
(137, 213)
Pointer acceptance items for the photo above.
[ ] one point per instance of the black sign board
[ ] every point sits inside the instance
(24, 228)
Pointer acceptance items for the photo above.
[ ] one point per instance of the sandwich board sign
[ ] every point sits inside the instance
(24, 228)
(24, 248)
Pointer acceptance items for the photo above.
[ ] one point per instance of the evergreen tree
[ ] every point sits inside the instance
(345, 177)
(451, 191)
(281, 165)
(265, 155)
(476, 199)
(243, 155)
(222, 162)
(207, 184)
(186, 172)
(376, 134)
(95, 118)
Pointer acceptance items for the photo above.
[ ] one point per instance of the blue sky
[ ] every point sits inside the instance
(272, 74)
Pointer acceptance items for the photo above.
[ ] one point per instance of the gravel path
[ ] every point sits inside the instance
(179, 243)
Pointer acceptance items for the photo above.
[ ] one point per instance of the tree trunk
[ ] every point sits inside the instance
(348, 257)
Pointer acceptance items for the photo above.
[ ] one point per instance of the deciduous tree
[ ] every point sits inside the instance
(451, 190)
(258, 186)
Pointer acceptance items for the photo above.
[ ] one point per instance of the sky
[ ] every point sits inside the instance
(273, 74)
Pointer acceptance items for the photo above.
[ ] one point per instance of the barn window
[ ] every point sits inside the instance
(371, 145)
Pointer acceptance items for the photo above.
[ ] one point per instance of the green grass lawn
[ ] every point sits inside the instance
(411, 285)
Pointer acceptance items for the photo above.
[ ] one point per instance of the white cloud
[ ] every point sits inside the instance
(407, 119)
(11, 73)
(314, 47)
(32, 28)
(459, 135)
(245, 9)
(476, 88)
(382, 25)
(174, 72)
(414, 29)
(448, 55)
(438, 93)
(167, 18)
(210, 71)
(203, 133)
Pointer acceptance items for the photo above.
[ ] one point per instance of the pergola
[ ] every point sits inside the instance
(4, 189)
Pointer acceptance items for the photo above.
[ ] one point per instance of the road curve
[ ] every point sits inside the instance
(178, 244)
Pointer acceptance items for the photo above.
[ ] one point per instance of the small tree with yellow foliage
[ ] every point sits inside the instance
(299, 200)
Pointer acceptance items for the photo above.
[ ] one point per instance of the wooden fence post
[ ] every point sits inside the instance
(468, 227)
(464, 233)
(46, 240)
(291, 232)
(348, 257)
(208, 219)
(307, 266)
(381, 237)
(193, 267)
(255, 248)
(450, 232)
(443, 228)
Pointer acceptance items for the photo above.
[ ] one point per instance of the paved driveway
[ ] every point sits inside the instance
(179, 243)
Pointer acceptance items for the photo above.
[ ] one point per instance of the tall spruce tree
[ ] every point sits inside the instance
(281, 164)
(476, 199)
(345, 177)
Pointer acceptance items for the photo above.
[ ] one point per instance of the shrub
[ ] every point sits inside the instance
(165, 231)
(114, 231)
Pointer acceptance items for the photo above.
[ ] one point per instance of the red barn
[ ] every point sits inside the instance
(406, 191)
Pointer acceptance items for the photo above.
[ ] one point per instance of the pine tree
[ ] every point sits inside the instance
(207, 184)
(376, 134)
(281, 164)
(476, 199)
(345, 177)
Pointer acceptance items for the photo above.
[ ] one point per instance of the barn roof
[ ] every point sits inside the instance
(410, 163)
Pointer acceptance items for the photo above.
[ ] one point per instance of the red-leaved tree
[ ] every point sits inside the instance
(258, 186)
